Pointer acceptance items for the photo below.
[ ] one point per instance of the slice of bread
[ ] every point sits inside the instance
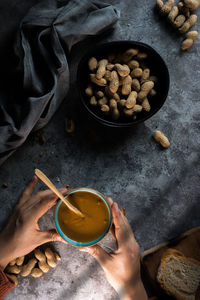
(178, 275)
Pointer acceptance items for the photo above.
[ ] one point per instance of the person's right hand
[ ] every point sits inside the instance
(121, 267)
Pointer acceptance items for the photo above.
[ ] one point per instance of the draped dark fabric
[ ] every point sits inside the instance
(41, 78)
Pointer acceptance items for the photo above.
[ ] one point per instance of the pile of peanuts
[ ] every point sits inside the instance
(35, 267)
(181, 17)
(120, 84)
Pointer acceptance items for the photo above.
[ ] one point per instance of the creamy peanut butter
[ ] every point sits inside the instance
(87, 228)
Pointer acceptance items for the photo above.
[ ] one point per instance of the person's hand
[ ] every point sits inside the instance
(22, 233)
(121, 267)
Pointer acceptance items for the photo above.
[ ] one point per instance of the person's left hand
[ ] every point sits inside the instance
(22, 233)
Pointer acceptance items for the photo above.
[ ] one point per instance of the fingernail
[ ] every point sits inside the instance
(59, 238)
(63, 190)
(116, 208)
(84, 249)
(34, 178)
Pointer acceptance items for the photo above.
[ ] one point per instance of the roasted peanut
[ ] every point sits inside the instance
(100, 82)
(128, 55)
(173, 14)
(13, 278)
(20, 260)
(13, 269)
(133, 64)
(153, 78)
(152, 93)
(89, 91)
(36, 272)
(57, 256)
(115, 114)
(40, 255)
(145, 89)
(116, 97)
(107, 75)
(113, 103)
(145, 74)
(123, 70)
(137, 108)
(192, 4)
(13, 262)
(191, 21)
(146, 105)
(179, 21)
(136, 85)
(126, 86)
(108, 92)
(129, 112)
(183, 9)
(93, 101)
(51, 260)
(161, 138)
(186, 44)
(159, 4)
(131, 100)
(190, 38)
(44, 267)
(101, 68)
(105, 108)
(92, 64)
(114, 82)
(110, 67)
(100, 94)
(122, 103)
(137, 72)
(192, 35)
(26, 269)
(141, 55)
(102, 101)
(167, 7)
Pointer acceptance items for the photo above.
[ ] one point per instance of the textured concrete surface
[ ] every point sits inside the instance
(159, 188)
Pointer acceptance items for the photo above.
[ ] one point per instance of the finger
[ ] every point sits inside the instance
(110, 201)
(50, 236)
(28, 190)
(116, 215)
(123, 231)
(44, 202)
(97, 252)
(42, 195)
(112, 227)
(118, 222)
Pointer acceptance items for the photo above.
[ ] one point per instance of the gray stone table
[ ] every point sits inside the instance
(160, 189)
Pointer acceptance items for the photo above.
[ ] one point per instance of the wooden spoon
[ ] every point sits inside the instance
(46, 180)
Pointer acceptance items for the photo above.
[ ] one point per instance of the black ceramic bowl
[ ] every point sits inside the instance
(154, 61)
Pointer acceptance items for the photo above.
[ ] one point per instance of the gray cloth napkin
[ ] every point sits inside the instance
(43, 42)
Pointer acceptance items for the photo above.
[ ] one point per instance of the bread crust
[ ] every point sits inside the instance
(176, 254)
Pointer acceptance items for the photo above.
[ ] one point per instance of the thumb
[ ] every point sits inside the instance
(97, 252)
(51, 236)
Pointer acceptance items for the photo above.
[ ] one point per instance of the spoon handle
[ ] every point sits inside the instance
(52, 187)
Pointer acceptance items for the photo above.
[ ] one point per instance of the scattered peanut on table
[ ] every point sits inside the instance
(51, 259)
(181, 17)
(13, 278)
(161, 138)
(27, 268)
(35, 267)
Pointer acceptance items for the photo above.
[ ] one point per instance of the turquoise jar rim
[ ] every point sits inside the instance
(65, 237)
